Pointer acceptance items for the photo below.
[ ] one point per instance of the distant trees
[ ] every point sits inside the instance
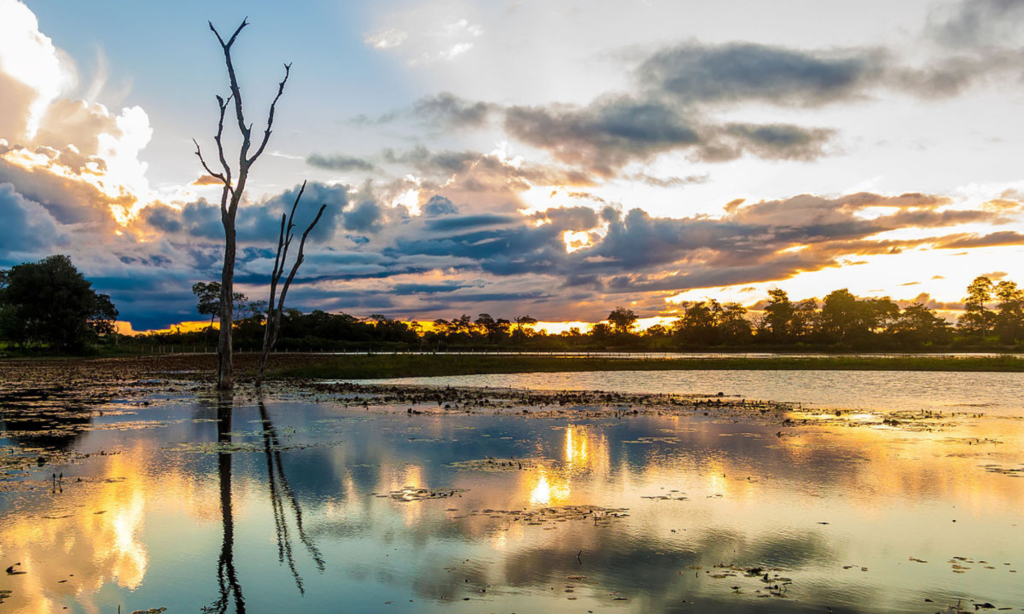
(1009, 316)
(208, 296)
(49, 302)
(622, 320)
(1006, 321)
(711, 323)
(977, 320)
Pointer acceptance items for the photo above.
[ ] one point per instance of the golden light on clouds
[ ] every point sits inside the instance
(575, 241)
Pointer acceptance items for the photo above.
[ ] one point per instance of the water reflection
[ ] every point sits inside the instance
(227, 576)
(282, 500)
(280, 489)
(546, 514)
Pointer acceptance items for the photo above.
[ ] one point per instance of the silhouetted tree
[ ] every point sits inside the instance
(523, 324)
(50, 302)
(977, 320)
(208, 297)
(918, 326)
(1009, 317)
(232, 192)
(711, 323)
(778, 316)
(622, 319)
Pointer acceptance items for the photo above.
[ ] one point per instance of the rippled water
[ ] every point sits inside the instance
(990, 393)
(287, 505)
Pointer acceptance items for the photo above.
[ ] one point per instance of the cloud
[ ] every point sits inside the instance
(438, 205)
(768, 142)
(613, 132)
(205, 180)
(973, 23)
(75, 141)
(735, 72)
(423, 37)
(449, 111)
(340, 163)
(386, 39)
(604, 136)
(28, 228)
(994, 239)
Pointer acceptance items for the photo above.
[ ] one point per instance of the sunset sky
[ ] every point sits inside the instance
(548, 158)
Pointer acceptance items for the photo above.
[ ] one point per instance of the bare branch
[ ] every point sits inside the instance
(223, 105)
(291, 225)
(270, 118)
(300, 257)
(236, 93)
(206, 167)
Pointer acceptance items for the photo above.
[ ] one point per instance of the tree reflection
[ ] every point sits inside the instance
(227, 576)
(280, 489)
(282, 499)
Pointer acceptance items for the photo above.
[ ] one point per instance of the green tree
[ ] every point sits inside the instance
(50, 302)
(208, 297)
(806, 320)
(712, 323)
(977, 320)
(1009, 316)
(622, 320)
(918, 326)
(778, 316)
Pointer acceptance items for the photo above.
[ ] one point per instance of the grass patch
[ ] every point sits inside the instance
(381, 366)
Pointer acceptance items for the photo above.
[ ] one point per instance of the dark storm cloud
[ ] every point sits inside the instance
(340, 163)
(608, 134)
(438, 205)
(442, 288)
(973, 23)
(738, 72)
(451, 223)
(432, 162)
(261, 222)
(364, 216)
(27, 227)
(768, 142)
(605, 135)
(449, 111)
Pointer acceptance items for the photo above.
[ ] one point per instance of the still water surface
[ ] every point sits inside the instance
(882, 391)
(202, 505)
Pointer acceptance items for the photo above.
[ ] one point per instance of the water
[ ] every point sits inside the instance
(178, 500)
(882, 391)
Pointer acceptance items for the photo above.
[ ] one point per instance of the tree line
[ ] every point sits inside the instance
(50, 305)
(993, 318)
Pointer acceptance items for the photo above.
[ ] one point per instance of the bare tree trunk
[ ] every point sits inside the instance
(231, 196)
(225, 351)
(273, 325)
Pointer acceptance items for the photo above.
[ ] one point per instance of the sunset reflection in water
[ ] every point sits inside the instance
(317, 523)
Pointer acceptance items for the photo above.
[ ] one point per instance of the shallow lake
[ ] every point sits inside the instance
(304, 503)
(989, 393)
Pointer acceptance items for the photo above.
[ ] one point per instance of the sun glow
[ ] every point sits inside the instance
(575, 240)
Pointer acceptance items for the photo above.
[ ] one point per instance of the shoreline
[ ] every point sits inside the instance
(201, 367)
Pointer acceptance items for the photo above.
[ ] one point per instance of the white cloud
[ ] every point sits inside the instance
(76, 140)
(30, 60)
(386, 39)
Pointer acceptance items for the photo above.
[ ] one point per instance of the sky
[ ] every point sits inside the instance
(550, 158)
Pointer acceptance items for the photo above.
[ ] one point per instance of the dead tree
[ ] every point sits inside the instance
(231, 195)
(284, 241)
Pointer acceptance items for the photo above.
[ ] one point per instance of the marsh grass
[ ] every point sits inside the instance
(380, 366)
